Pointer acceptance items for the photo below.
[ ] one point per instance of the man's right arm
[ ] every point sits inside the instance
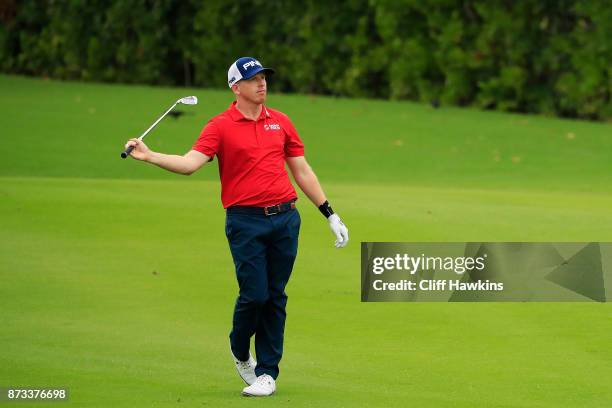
(187, 164)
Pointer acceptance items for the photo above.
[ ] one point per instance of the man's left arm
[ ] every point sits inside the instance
(308, 182)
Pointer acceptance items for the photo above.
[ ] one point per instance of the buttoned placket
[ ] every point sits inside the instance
(264, 113)
(263, 116)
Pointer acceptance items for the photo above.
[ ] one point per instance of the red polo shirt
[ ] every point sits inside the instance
(251, 156)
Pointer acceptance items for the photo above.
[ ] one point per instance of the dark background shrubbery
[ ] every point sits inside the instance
(545, 56)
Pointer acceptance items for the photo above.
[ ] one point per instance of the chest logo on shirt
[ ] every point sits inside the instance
(272, 126)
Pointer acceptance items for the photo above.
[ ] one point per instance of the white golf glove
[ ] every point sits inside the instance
(339, 230)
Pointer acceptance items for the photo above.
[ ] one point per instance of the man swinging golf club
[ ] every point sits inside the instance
(252, 143)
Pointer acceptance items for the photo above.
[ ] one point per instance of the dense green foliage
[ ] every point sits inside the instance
(552, 57)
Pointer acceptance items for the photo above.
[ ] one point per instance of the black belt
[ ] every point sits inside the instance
(267, 211)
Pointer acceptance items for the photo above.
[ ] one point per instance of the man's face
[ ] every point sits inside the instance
(253, 89)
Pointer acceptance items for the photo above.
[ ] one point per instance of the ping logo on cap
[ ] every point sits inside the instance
(251, 64)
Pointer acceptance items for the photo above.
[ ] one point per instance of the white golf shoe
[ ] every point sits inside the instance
(246, 369)
(262, 387)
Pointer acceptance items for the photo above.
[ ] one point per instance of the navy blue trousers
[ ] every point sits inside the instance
(264, 249)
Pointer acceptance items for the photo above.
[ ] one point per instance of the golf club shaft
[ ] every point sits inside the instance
(127, 151)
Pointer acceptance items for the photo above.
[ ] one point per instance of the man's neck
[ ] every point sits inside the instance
(248, 109)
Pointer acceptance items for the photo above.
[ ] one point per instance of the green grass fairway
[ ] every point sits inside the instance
(116, 280)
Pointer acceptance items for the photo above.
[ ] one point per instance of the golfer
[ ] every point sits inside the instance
(252, 143)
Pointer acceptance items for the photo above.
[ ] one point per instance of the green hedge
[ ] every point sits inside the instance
(545, 56)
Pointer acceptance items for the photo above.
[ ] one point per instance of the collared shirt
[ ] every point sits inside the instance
(251, 156)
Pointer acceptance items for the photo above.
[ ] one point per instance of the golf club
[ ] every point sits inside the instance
(188, 100)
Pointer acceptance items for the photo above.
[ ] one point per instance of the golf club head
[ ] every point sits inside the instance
(189, 100)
